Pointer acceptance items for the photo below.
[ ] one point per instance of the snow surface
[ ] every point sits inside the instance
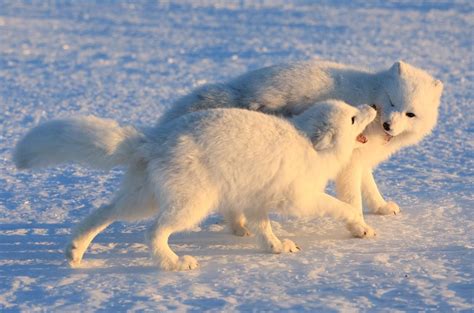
(129, 61)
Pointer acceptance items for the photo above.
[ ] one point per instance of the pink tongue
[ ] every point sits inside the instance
(361, 138)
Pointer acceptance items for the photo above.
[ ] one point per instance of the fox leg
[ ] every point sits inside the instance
(177, 215)
(159, 233)
(86, 231)
(328, 205)
(348, 185)
(237, 223)
(266, 239)
(133, 201)
(373, 198)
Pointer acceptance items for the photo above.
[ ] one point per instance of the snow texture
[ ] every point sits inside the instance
(130, 60)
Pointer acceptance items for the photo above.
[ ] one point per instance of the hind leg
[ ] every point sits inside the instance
(161, 251)
(86, 231)
(175, 217)
(267, 239)
(237, 223)
(134, 201)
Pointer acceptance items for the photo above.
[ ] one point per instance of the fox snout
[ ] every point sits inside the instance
(394, 124)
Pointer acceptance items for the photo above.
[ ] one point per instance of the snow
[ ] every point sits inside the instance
(131, 60)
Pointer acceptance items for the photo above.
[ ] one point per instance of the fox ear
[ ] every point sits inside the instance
(398, 67)
(323, 142)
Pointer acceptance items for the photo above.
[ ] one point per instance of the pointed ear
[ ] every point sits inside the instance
(397, 67)
(323, 142)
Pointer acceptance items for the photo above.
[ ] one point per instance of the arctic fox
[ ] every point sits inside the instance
(208, 161)
(405, 97)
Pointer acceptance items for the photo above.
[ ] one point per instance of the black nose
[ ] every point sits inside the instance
(386, 126)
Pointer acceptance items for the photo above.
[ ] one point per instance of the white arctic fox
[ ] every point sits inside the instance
(209, 161)
(405, 97)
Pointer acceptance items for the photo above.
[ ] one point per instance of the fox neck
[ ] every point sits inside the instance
(334, 159)
(302, 122)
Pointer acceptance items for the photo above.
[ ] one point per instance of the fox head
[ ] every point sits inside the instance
(408, 101)
(335, 126)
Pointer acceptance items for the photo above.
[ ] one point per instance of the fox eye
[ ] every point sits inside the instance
(373, 106)
(410, 114)
(353, 120)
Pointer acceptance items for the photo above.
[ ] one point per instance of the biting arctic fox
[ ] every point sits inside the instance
(405, 97)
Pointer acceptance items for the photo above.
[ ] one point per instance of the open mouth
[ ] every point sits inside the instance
(388, 137)
(361, 138)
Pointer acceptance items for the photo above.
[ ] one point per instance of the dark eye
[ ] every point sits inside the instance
(353, 120)
(373, 106)
(410, 115)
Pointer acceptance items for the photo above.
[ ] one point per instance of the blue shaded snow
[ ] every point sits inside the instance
(129, 61)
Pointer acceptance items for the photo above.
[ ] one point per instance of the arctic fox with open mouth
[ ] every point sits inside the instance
(207, 161)
(405, 97)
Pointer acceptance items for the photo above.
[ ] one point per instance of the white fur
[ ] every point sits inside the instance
(211, 161)
(290, 89)
(102, 142)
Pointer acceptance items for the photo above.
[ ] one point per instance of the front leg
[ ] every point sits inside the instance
(373, 198)
(348, 185)
(328, 205)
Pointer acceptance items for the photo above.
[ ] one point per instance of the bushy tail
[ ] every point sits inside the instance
(99, 143)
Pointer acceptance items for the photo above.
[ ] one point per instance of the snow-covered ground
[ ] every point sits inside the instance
(130, 61)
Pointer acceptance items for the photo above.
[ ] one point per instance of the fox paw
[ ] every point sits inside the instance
(284, 247)
(73, 255)
(184, 263)
(241, 231)
(361, 230)
(390, 208)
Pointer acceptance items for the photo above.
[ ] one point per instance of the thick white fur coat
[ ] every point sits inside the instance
(209, 161)
(406, 98)
(102, 142)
